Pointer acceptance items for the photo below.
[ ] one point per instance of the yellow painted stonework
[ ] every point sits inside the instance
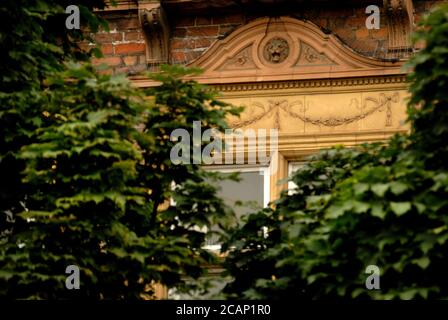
(312, 119)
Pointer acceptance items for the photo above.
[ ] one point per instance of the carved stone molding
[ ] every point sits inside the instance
(156, 29)
(284, 85)
(298, 109)
(285, 49)
(400, 19)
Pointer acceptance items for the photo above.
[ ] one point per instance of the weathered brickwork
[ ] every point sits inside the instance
(123, 46)
(192, 34)
(349, 26)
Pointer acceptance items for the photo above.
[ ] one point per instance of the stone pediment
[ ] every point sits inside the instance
(275, 49)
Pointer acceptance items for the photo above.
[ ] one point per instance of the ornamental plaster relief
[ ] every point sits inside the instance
(323, 113)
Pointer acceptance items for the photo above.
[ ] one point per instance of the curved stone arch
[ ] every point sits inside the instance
(239, 58)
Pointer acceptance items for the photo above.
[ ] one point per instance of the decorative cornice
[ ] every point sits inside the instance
(143, 82)
(295, 84)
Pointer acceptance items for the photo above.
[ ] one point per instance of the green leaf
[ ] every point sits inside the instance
(400, 208)
(422, 262)
(360, 207)
(378, 210)
(379, 189)
(398, 188)
(361, 188)
(408, 294)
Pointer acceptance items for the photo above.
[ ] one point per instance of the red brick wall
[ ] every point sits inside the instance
(123, 46)
(191, 35)
(349, 26)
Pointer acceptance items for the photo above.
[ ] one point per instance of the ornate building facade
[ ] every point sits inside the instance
(313, 70)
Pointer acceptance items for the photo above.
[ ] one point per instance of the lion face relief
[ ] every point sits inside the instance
(276, 50)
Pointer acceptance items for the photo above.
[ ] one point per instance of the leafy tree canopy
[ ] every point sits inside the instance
(88, 177)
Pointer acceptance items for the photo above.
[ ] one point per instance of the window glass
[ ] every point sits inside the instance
(249, 190)
(244, 196)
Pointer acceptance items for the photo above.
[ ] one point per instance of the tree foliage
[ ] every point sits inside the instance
(34, 43)
(373, 205)
(90, 178)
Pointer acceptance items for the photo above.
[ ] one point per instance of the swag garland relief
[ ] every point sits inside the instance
(305, 111)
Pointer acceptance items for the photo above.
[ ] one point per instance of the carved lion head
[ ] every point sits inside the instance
(276, 50)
